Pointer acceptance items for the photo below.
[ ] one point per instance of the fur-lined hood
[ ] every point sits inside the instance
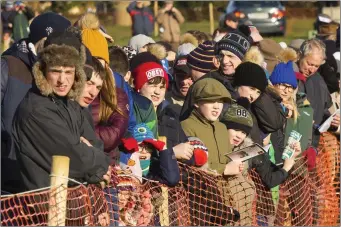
(254, 55)
(246, 143)
(287, 54)
(157, 50)
(60, 55)
(189, 38)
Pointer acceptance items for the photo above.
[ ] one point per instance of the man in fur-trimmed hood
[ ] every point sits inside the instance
(49, 122)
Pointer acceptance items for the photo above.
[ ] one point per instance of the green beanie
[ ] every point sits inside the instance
(238, 118)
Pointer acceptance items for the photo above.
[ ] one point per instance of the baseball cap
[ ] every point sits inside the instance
(181, 65)
(231, 17)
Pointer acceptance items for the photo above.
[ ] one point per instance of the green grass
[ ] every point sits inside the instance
(296, 28)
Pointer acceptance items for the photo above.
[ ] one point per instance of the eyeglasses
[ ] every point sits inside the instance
(284, 87)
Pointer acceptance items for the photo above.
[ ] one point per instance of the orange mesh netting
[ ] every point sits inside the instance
(212, 198)
(201, 198)
(325, 180)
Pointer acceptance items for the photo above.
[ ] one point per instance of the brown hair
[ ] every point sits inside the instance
(157, 80)
(118, 60)
(200, 36)
(108, 98)
(98, 68)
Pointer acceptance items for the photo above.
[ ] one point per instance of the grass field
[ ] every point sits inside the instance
(296, 28)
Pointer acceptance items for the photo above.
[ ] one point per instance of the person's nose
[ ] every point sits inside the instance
(157, 91)
(92, 91)
(62, 78)
(226, 59)
(239, 135)
(216, 105)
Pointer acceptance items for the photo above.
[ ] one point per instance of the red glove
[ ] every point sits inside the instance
(130, 144)
(155, 143)
(310, 154)
(200, 157)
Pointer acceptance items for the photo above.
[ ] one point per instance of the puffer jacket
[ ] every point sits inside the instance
(112, 131)
(170, 21)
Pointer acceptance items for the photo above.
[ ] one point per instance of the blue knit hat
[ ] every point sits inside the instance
(284, 74)
(142, 132)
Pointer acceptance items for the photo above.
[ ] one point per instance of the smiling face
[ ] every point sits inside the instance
(91, 90)
(60, 79)
(250, 93)
(183, 82)
(286, 91)
(154, 90)
(144, 152)
(211, 110)
(228, 62)
(236, 137)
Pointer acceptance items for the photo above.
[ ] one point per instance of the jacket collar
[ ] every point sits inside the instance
(196, 115)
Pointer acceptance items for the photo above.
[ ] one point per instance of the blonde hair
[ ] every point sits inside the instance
(108, 98)
(291, 101)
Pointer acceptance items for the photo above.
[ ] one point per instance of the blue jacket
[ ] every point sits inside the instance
(142, 18)
(164, 168)
(120, 83)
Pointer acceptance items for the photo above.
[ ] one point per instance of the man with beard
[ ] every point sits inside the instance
(176, 96)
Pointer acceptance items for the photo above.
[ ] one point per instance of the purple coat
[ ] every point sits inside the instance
(117, 125)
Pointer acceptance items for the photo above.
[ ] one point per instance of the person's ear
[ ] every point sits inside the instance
(127, 76)
(216, 62)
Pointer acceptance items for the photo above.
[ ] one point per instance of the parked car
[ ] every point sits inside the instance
(268, 16)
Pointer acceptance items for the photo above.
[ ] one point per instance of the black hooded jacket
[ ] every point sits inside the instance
(46, 126)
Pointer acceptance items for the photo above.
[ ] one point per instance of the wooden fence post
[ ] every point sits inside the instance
(210, 5)
(58, 191)
(164, 214)
(156, 26)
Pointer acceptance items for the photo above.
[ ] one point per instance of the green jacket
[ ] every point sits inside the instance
(21, 24)
(213, 134)
(144, 112)
(304, 122)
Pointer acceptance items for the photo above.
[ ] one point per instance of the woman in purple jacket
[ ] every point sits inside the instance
(110, 113)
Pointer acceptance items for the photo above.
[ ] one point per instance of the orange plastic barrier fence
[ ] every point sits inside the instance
(201, 198)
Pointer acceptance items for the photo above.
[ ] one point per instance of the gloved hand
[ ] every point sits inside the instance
(159, 145)
(310, 153)
(200, 157)
(130, 144)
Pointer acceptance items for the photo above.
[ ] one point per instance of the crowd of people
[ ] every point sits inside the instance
(65, 91)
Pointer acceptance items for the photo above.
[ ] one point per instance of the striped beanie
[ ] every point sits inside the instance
(201, 58)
